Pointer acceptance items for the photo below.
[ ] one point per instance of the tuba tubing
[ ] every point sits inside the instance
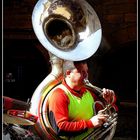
(111, 123)
(40, 94)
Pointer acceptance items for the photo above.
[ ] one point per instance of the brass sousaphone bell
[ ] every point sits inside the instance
(69, 29)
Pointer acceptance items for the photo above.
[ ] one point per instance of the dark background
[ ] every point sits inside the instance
(114, 65)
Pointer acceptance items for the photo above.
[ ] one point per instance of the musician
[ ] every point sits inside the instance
(71, 103)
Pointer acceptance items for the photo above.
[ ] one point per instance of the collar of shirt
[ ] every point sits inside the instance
(76, 93)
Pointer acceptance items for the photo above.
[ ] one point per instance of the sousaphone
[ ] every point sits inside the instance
(71, 31)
